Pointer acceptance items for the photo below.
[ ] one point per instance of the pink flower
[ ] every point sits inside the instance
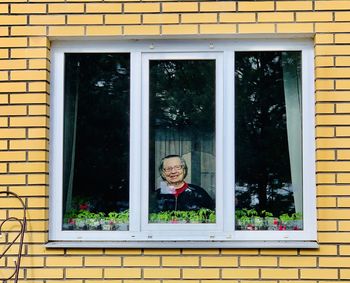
(84, 206)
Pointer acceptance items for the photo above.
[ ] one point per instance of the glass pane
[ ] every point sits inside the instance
(268, 143)
(182, 141)
(96, 142)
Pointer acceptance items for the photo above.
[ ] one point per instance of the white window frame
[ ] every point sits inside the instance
(222, 233)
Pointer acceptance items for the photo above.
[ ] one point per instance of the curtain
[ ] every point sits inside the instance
(292, 92)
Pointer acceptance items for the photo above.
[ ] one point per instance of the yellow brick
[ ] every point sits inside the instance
(38, 110)
(331, 27)
(332, 5)
(40, 249)
(38, 133)
(4, 53)
(3, 122)
(3, 144)
(325, 178)
(324, 38)
(256, 6)
(326, 202)
(64, 261)
(31, 261)
(142, 30)
(179, 29)
(36, 273)
(180, 261)
(276, 17)
(327, 225)
(13, 42)
(84, 19)
(258, 261)
(66, 8)
(66, 31)
(4, 8)
(123, 252)
(122, 273)
(342, 38)
(333, 96)
(344, 274)
(103, 261)
(332, 49)
(40, 121)
(38, 64)
(185, 281)
(4, 76)
(200, 252)
(277, 252)
(342, 16)
(32, 167)
(201, 273)
(103, 8)
(324, 108)
(217, 6)
(343, 226)
(180, 7)
(30, 98)
(333, 166)
(318, 273)
(12, 155)
(344, 250)
(84, 273)
(12, 87)
(161, 19)
(30, 53)
(29, 75)
(314, 17)
(332, 190)
(47, 20)
(325, 155)
(240, 273)
(39, 42)
(298, 261)
(333, 72)
(141, 261)
(256, 28)
(286, 273)
(324, 62)
(85, 251)
(12, 133)
(344, 202)
(215, 261)
(294, 28)
(237, 18)
(161, 273)
(342, 84)
(160, 252)
(4, 31)
(343, 154)
(13, 20)
(342, 61)
(122, 19)
(324, 84)
(199, 18)
(10, 110)
(4, 99)
(294, 5)
(12, 64)
(28, 31)
(28, 144)
(218, 29)
(141, 7)
(333, 214)
(333, 120)
(12, 179)
(28, 8)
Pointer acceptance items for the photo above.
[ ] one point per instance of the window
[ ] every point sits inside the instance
(178, 141)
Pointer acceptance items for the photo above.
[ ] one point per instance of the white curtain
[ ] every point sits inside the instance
(292, 93)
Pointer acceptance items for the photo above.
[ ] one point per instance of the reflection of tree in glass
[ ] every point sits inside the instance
(183, 93)
(99, 85)
(262, 158)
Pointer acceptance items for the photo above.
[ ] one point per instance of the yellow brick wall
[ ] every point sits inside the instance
(25, 28)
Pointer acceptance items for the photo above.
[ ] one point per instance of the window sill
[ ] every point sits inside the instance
(186, 244)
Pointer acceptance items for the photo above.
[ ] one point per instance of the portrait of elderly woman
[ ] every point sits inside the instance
(174, 192)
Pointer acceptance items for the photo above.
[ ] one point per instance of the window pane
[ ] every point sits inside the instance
(268, 141)
(182, 141)
(96, 142)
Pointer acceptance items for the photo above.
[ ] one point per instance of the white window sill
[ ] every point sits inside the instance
(186, 244)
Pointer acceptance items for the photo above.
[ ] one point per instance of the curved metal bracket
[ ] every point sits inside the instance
(17, 239)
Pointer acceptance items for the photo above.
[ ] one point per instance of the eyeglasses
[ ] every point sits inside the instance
(171, 168)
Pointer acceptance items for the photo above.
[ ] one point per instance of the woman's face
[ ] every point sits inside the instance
(173, 171)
